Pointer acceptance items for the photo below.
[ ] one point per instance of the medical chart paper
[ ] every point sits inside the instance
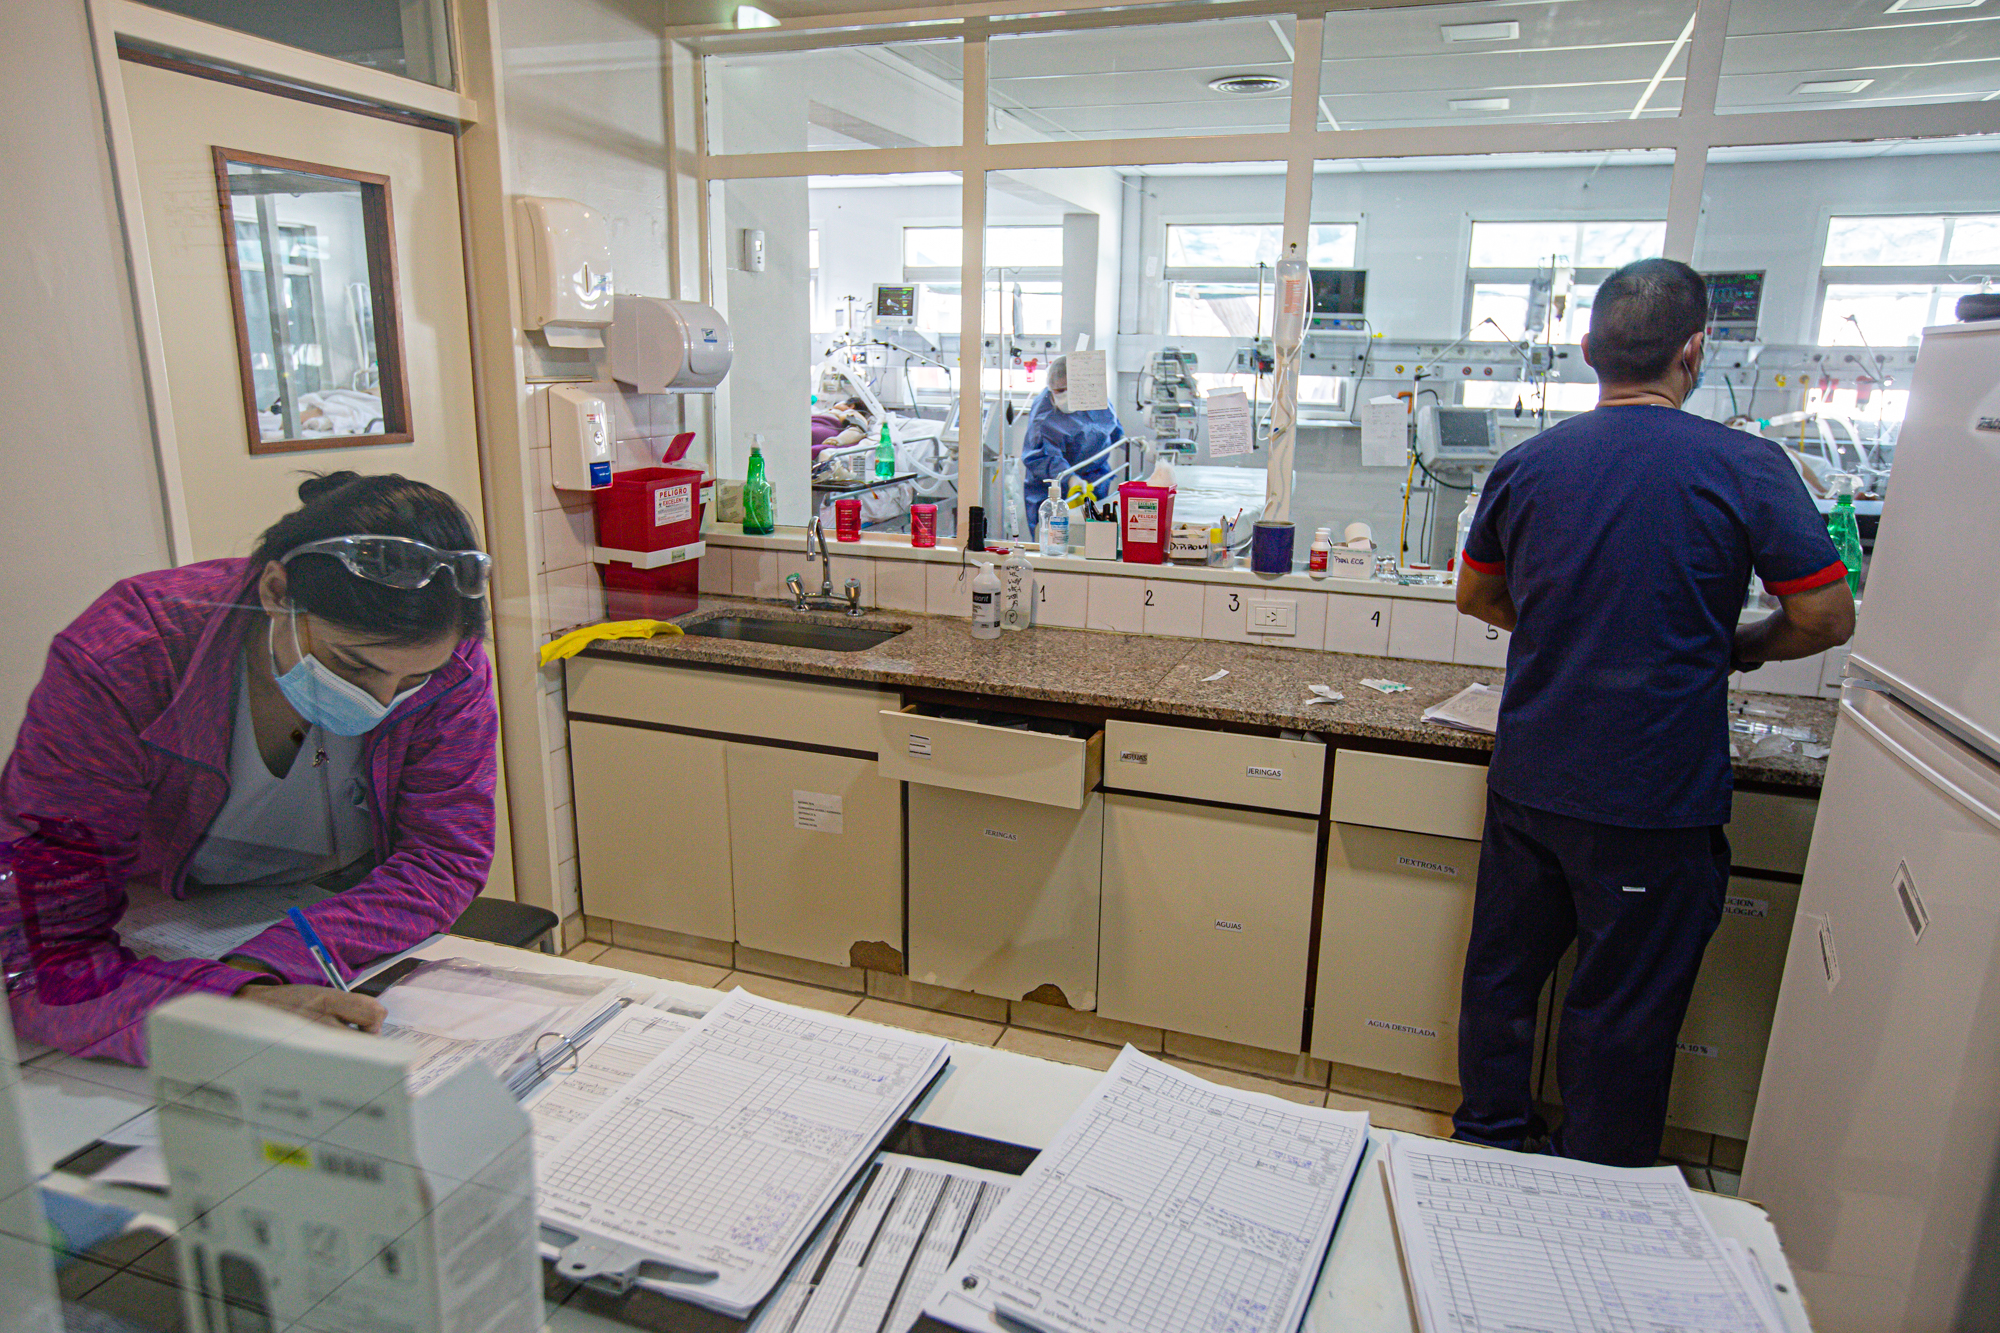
(1164, 1202)
(1089, 382)
(453, 1011)
(879, 1256)
(209, 922)
(610, 1060)
(1474, 708)
(1495, 1242)
(727, 1150)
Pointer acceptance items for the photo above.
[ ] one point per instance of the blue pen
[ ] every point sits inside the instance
(317, 948)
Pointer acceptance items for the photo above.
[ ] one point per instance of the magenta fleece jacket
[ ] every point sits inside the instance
(122, 764)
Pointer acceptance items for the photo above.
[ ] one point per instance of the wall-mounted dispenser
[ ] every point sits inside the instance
(663, 346)
(565, 271)
(579, 439)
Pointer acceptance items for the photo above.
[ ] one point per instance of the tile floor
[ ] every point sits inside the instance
(1040, 1044)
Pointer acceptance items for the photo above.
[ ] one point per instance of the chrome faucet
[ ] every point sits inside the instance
(824, 599)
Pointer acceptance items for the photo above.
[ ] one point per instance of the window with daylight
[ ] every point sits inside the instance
(1516, 270)
(1885, 279)
(1215, 271)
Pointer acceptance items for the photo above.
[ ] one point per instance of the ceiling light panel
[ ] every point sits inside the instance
(1831, 87)
(1923, 6)
(1481, 103)
(1508, 31)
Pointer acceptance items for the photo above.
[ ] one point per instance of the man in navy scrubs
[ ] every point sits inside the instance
(1617, 546)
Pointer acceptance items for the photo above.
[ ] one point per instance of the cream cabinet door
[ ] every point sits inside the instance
(1207, 920)
(1397, 915)
(1004, 894)
(652, 828)
(816, 853)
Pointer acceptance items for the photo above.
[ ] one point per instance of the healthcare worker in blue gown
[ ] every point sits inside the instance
(1058, 438)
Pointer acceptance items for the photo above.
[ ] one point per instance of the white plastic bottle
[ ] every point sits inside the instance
(985, 603)
(1017, 592)
(1322, 548)
(1465, 517)
(1052, 525)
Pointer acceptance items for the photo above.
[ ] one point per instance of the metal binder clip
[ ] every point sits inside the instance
(606, 1262)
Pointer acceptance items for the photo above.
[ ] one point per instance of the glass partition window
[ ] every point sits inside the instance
(407, 37)
(1220, 76)
(886, 95)
(1471, 64)
(311, 260)
(1888, 278)
(1781, 55)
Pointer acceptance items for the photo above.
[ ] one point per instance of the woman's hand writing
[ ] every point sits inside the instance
(321, 1004)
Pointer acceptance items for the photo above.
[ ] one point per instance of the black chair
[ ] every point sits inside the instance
(501, 922)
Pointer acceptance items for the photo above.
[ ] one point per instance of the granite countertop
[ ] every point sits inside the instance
(1265, 686)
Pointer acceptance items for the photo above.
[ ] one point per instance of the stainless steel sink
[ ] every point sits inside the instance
(792, 633)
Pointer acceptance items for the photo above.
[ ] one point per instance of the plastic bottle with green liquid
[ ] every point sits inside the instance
(885, 455)
(1846, 533)
(759, 498)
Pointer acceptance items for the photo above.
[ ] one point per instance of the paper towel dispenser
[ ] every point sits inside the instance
(565, 271)
(663, 346)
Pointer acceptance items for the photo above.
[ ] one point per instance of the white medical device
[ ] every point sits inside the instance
(565, 271)
(1466, 436)
(579, 437)
(895, 305)
(663, 346)
(313, 1188)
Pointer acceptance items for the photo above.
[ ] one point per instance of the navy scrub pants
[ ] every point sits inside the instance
(1641, 905)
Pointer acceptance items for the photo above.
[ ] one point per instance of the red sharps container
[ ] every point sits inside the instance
(847, 519)
(923, 525)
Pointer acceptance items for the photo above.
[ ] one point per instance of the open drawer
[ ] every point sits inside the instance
(919, 745)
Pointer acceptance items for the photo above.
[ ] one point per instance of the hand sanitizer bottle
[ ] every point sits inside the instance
(1052, 528)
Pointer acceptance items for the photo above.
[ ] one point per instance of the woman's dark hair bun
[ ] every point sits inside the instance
(324, 483)
(344, 504)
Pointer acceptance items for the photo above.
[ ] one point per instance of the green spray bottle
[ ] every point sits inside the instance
(1841, 526)
(759, 497)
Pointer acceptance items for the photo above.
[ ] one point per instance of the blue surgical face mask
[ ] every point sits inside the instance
(333, 705)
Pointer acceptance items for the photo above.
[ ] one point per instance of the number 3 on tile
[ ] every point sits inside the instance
(1235, 602)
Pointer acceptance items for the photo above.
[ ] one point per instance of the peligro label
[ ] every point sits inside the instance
(1435, 867)
(1403, 1028)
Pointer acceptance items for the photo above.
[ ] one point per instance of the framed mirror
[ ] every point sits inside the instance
(312, 280)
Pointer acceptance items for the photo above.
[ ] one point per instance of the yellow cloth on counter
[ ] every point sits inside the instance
(574, 642)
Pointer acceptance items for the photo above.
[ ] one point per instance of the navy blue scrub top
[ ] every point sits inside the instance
(1627, 536)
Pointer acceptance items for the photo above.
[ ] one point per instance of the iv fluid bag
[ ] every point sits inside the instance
(1294, 294)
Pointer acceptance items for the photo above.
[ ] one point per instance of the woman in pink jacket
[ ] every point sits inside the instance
(319, 714)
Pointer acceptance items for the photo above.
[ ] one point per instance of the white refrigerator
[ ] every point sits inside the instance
(1876, 1144)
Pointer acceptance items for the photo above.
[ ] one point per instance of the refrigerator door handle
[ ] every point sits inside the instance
(1916, 764)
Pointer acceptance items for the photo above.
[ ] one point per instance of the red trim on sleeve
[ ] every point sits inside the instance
(1832, 573)
(1495, 567)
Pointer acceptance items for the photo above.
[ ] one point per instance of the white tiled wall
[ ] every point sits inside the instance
(1357, 624)
(1062, 599)
(1309, 615)
(899, 585)
(1423, 631)
(1480, 644)
(1116, 603)
(948, 589)
(1170, 609)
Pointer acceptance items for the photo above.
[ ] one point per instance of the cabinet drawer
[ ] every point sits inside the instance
(1263, 772)
(1770, 832)
(1395, 791)
(766, 707)
(1000, 761)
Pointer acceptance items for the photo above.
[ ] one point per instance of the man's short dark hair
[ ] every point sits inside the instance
(1642, 317)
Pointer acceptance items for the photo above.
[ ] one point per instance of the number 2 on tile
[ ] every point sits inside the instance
(1149, 597)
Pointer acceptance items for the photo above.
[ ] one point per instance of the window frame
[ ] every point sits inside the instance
(1933, 276)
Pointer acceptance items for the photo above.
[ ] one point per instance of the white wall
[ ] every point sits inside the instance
(80, 503)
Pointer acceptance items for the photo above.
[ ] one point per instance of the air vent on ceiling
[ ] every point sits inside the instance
(1482, 32)
(1919, 6)
(1245, 84)
(1481, 103)
(1831, 87)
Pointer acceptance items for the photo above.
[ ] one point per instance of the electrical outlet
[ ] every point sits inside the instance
(1274, 616)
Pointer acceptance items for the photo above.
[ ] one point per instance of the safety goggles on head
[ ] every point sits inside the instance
(401, 562)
